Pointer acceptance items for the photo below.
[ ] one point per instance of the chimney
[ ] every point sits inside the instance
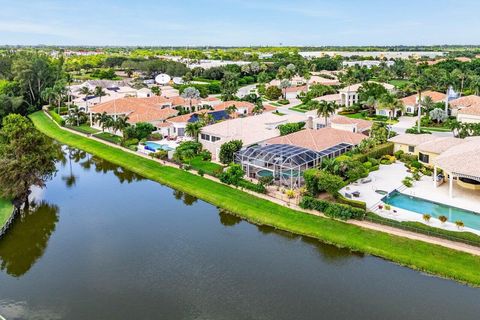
(309, 123)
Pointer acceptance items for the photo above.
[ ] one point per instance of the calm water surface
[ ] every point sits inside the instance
(102, 243)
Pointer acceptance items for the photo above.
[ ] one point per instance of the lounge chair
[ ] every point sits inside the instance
(366, 180)
(356, 194)
(348, 195)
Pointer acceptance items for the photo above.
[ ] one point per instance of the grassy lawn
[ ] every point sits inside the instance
(358, 115)
(109, 137)
(85, 128)
(6, 208)
(436, 129)
(415, 254)
(208, 167)
(276, 104)
(399, 82)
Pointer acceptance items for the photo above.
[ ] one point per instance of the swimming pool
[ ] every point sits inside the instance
(422, 206)
(152, 146)
(268, 173)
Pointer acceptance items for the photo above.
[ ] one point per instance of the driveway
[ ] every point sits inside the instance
(403, 124)
(243, 91)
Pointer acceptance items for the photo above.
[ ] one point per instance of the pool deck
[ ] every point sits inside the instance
(390, 177)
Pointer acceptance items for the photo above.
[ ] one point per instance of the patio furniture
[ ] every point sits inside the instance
(356, 194)
(348, 195)
(366, 180)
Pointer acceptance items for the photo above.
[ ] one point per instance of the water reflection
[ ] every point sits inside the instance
(188, 199)
(228, 219)
(26, 240)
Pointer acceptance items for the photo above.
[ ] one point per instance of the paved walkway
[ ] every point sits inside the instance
(291, 203)
(243, 91)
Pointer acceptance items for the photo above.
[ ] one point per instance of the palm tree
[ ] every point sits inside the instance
(427, 102)
(120, 124)
(48, 94)
(85, 91)
(419, 85)
(231, 109)
(60, 90)
(206, 118)
(389, 102)
(370, 103)
(103, 119)
(99, 92)
(325, 109)
(193, 129)
(475, 83)
(75, 116)
(456, 126)
(258, 109)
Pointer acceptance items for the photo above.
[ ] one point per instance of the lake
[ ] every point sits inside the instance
(102, 243)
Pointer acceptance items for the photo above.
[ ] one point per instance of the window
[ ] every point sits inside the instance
(205, 137)
(411, 149)
(320, 125)
(423, 157)
(214, 139)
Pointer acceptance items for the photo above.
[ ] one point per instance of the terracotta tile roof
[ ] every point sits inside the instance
(440, 144)
(413, 139)
(320, 139)
(436, 97)
(329, 97)
(361, 124)
(461, 159)
(465, 101)
(473, 110)
(356, 86)
(296, 89)
(137, 109)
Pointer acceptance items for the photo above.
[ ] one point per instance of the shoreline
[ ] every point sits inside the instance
(416, 254)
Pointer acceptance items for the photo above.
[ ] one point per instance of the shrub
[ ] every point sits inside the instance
(156, 136)
(351, 202)
(232, 175)
(331, 209)
(416, 175)
(228, 149)
(205, 155)
(201, 172)
(56, 117)
(160, 154)
(266, 180)
(273, 93)
(255, 187)
(398, 154)
(290, 128)
(407, 182)
(416, 164)
(376, 152)
(427, 217)
(459, 224)
(130, 142)
(443, 219)
(317, 181)
(367, 165)
(283, 102)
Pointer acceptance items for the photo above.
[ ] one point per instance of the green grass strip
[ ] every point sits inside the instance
(6, 209)
(414, 254)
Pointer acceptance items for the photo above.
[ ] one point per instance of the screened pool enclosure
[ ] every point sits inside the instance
(284, 162)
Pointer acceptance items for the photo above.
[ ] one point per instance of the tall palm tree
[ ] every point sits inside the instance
(193, 129)
(206, 118)
(419, 85)
(370, 103)
(103, 119)
(99, 92)
(120, 124)
(86, 92)
(48, 94)
(258, 109)
(325, 109)
(60, 91)
(427, 102)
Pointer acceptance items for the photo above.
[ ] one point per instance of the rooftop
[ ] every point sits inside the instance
(462, 159)
(473, 110)
(319, 140)
(412, 100)
(413, 139)
(465, 101)
(355, 87)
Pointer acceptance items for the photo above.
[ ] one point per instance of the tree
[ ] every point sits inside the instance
(389, 102)
(76, 117)
(102, 119)
(428, 102)
(48, 94)
(370, 103)
(99, 92)
(193, 129)
(143, 130)
(120, 123)
(232, 175)
(371, 89)
(273, 92)
(258, 109)
(284, 84)
(325, 109)
(86, 92)
(438, 115)
(228, 149)
(9, 104)
(191, 93)
(27, 158)
(229, 86)
(231, 109)
(419, 85)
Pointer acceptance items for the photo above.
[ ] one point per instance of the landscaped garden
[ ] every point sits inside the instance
(419, 255)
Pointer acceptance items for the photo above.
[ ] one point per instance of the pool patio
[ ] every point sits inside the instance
(390, 177)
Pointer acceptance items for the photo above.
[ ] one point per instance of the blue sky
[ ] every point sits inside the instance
(239, 22)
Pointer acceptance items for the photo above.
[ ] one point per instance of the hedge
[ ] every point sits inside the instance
(56, 117)
(376, 152)
(333, 210)
(255, 187)
(354, 203)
